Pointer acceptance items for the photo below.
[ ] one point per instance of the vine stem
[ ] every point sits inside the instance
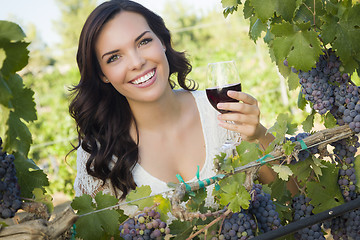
(222, 217)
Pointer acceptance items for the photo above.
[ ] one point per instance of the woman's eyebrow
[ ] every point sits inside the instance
(136, 39)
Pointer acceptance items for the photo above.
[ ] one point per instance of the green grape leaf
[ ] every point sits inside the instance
(263, 9)
(301, 102)
(344, 34)
(281, 127)
(31, 179)
(96, 225)
(256, 28)
(196, 202)
(17, 56)
(316, 166)
(298, 44)
(357, 171)
(247, 152)
(181, 229)
(279, 191)
(22, 100)
(11, 31)
(293, 81)
(229, 3)
(5, 90)
(235, 194)
(308, 123)
(283, 171)
(248, 9)
(40, 196)
(329, 120)
(19, 136)
(325, 194)
(286, 9)
(164, 206)
(141, 192)
(288, 147)
(301, 170)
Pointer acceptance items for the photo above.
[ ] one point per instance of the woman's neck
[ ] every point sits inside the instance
(159, 114)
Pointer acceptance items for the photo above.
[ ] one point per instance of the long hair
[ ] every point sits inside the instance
(103, 116)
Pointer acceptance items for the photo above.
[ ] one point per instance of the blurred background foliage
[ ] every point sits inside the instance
(204, 36)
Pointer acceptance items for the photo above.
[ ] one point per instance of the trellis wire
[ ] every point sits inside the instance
(309, 221)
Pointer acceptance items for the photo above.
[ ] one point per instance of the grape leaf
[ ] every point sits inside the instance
(344, 34)
(286, 9)
(264, 9)
(196, 202)
(40, 196)
(329, 120)
(293, 81)
(96, 225)
(279, 191)
(281, 127)
(247, 152)
(301, 102)
(256, 28)
(325, 194)
(19, 136)
(288, 147)
(248, 9)
(22, 99)
(182, 229)
(284, 172)
(11, 31)
(302, 170)
(164, 207)
(296, 43)
(31, 179)
(17, 56)
(234, 193)
(141, 192)
(6, 93)
(308, 123)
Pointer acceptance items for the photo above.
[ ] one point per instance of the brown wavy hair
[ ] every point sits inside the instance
(102, 114)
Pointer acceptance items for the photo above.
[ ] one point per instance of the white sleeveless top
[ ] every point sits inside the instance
(214, 136)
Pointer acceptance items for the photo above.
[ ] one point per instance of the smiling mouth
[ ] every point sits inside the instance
(144, 78)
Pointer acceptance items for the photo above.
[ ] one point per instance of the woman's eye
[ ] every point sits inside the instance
(113, 58)
(145, 41)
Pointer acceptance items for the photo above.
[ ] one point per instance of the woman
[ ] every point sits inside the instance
(134, 129)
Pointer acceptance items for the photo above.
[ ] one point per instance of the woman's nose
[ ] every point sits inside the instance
(136, 60)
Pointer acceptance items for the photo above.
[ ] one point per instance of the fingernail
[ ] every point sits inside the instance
(231, 92)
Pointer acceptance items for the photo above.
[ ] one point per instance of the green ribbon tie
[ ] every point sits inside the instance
(303, 145)
(201, 183)
(262, 160)
(187, 186)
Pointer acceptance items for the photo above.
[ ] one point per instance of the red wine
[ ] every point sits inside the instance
(217, 94)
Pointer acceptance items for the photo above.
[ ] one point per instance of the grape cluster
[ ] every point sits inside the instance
(304, 154)
(263, 208)
(302, 209)
(345, 151)
(238, 226)
(10, 201)
(330, 90)
(145, 226)
(346, 226)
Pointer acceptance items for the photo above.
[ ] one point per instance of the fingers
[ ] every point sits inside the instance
(247, 104)
(241, 96)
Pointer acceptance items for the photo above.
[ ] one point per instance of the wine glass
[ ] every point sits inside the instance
(223, 76)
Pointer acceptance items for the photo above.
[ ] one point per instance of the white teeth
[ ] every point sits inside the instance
(144, 78)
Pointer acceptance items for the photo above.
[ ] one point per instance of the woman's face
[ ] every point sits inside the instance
(132, 58)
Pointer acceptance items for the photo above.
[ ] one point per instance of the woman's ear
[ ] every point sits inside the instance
(104, 79)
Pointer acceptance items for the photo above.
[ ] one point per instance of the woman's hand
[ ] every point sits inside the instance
(245, 117)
